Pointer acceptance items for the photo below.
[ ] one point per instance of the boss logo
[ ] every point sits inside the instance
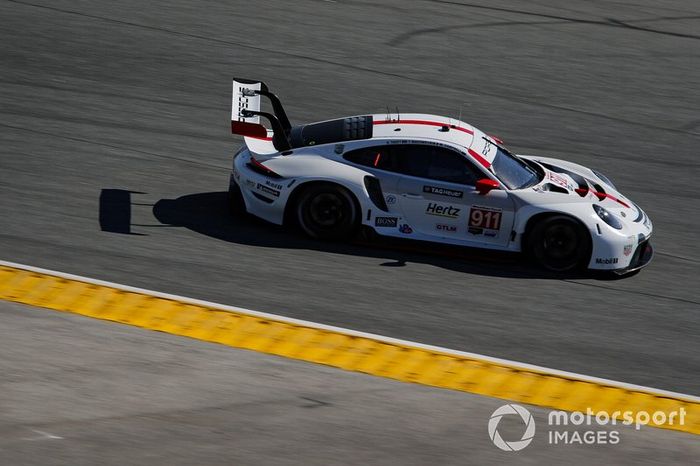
(386, 222)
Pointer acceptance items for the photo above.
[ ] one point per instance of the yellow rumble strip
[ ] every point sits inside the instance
(345, 349)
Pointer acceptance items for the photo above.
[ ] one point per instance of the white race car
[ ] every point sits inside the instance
(428, 178)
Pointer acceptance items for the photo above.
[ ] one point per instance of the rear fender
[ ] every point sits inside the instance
(310, 169)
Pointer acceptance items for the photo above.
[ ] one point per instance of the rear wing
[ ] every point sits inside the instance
(246, 113)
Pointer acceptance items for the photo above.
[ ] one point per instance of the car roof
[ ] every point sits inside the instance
(409, 127)
(422, 126)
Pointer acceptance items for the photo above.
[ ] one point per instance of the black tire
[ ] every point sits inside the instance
(327, 211)
(236, 204)
(559, 244)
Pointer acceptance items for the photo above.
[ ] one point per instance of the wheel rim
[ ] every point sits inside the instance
(326, 211)
(561, 246)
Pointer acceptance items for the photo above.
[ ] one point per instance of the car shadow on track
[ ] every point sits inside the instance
(115, 211)
(208, 214)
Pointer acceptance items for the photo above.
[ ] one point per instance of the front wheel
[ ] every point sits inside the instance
(327, 211)
(559, 244)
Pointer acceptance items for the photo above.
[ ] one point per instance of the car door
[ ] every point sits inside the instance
(439, 200)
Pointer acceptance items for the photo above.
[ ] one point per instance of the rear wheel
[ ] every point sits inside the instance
(327, 211)
(559, 244)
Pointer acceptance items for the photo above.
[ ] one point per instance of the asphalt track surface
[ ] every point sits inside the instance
(119, 395)
(115, 150)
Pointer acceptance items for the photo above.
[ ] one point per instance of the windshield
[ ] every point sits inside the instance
(514, 172)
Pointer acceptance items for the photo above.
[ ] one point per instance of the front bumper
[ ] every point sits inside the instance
(641, 258)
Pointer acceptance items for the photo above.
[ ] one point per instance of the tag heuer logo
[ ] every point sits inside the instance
(442, 191)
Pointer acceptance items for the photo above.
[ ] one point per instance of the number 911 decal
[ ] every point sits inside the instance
(484, 218)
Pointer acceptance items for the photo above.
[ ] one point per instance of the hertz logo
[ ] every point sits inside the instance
(442, 210)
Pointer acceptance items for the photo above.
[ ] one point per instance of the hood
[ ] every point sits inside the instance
(581, 184)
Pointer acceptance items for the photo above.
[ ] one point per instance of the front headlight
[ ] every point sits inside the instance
(607, 217)
(604, 178)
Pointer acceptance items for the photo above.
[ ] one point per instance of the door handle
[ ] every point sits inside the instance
(412, 196)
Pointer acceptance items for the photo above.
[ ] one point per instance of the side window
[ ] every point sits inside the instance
(413, 159)
(447, 165)
(377, 157)
(435, 163)
(420, 160)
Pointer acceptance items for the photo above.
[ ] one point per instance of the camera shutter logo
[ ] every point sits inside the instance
(528, 420)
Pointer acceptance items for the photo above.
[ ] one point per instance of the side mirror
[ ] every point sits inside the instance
(485, 185)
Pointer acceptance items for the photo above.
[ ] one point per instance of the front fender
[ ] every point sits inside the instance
(610, 249)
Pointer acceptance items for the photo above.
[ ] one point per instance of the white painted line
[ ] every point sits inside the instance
(349, 332)
(42, 436)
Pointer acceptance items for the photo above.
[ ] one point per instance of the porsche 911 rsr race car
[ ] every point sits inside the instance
(428, 178)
